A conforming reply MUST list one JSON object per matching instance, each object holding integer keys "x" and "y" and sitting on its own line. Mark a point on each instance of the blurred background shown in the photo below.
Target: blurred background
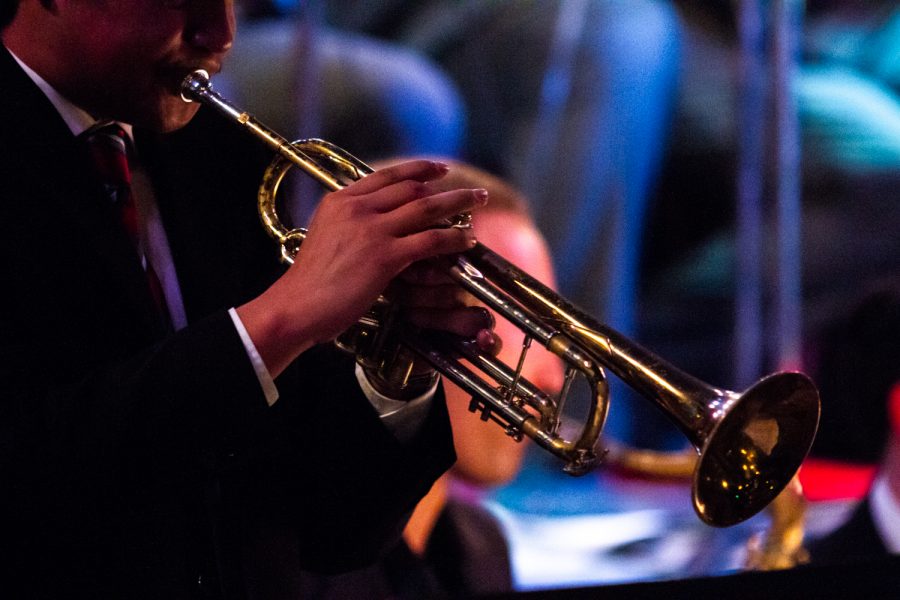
{"x": 719, "y": 180}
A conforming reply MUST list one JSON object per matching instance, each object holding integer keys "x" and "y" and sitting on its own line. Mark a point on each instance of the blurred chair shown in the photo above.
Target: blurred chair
{"x": 372, "y": 97}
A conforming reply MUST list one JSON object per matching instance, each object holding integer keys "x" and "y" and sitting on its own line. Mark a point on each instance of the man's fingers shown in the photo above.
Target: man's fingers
{"x": 489, "y": 341}
{"x": 395, "y": 195}
{"x": 415, "y": 170}
{"x": 432, "y": 210}
{"x": 465, "y": 321}
{"x": 426, "y": 272}
{"x": 434, "y": 242}
{"x": 448, "y": 295}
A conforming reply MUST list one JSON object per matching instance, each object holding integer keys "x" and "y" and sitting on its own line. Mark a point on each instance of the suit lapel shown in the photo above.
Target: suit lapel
{"x": 196, "y": 254}
{"x": 217, "y": 244}
{"x": 54, "y": 170}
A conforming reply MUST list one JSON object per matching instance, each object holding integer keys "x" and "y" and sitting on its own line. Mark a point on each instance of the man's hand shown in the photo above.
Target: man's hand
{"x": 432, "y": 300}
{"x": 426, "y": 297}
{"x": 359, "y": 240}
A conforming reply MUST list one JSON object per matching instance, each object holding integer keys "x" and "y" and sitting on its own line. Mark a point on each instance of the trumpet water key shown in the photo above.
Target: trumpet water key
{"x": 749, "y": 444}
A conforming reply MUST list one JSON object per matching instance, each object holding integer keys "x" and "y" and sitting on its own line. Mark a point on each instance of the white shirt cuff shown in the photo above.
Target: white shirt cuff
{"x": 402, "y": 418}
{"x": 262, "y": 372}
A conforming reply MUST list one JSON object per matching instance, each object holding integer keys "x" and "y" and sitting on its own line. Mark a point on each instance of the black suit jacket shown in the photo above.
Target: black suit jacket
{"x": 135, "y": 463}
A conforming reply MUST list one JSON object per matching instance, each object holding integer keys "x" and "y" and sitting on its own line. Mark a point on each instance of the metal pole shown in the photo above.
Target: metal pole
{"x": 748, "y": 323}
{"x": 309, "y": 19}
{"x": 787, "y": 16}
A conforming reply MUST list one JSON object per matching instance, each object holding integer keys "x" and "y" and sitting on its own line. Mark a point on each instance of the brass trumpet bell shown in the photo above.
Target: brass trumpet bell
{"x": 752, "y": 452}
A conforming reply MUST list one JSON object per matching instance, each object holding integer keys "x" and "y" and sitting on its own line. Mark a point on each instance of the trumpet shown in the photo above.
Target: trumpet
{"x": 749, "y": 444}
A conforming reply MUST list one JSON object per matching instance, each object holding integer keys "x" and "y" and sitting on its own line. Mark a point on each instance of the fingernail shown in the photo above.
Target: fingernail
{"x": 486, "y": 339}
{"x": 442, "y": 167}
{"x": 489, "y": 320}
{"x": 481, "y": 196}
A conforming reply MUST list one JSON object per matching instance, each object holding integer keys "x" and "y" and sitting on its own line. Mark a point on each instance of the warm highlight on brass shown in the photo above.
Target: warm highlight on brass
{"x": 750, "y": 444}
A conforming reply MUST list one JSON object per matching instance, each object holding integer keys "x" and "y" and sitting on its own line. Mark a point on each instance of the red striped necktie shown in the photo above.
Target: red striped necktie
{"x": 110, "y": 148}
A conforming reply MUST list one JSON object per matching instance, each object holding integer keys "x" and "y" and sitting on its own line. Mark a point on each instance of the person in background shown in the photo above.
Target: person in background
{"x": 859, "y": 381}
{"x": 459, "y": 540}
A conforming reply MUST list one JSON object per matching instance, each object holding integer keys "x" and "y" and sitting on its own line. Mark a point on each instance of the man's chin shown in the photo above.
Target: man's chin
{"x": 163, "y": 114}
{"x": 174, "y": 114}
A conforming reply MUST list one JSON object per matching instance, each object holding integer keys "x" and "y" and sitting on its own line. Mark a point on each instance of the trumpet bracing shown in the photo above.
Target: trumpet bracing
{"x": 749, "y": 444}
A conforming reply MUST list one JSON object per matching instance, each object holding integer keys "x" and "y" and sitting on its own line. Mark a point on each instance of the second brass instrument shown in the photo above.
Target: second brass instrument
{"x": 749, "y": 444}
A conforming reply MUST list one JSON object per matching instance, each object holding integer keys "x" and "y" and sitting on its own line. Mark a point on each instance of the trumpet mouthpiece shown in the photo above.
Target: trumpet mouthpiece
{"x": 194, "y": 85}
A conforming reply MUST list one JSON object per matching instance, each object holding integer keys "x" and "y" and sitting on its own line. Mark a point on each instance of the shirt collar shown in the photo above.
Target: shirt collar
{"x": 77, "y": 119}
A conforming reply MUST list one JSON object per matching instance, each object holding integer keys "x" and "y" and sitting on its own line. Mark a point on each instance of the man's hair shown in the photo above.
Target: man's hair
{"x": 7, "y": 12}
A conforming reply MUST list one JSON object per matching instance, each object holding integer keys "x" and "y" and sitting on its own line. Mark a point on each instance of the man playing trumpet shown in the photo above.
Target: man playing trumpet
{"x": 170, "y": 416}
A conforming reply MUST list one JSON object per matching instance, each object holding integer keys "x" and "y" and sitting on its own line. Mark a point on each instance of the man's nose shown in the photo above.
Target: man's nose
{"x": 211, "y": 25}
